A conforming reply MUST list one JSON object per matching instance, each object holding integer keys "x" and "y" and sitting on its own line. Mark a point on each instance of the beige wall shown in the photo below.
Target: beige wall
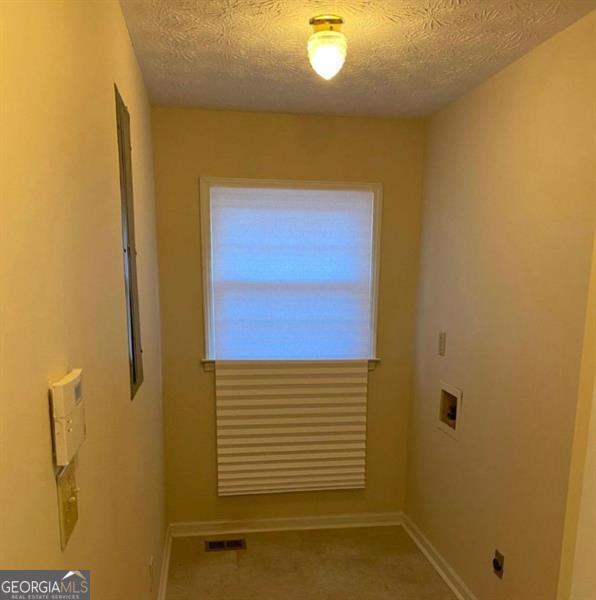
{"x": 507, "y": 242}
{"x": 584, "y": 576}
{"x": 189, "y": 143}
{"x": 62, "y": 294}
{"x": 578, "y": 577}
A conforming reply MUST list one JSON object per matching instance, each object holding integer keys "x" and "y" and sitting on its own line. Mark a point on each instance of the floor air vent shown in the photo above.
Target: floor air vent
{"x": 219, "y": 545}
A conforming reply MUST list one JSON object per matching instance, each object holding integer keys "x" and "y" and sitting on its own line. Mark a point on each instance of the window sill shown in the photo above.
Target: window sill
{"x": 209, "y": 364}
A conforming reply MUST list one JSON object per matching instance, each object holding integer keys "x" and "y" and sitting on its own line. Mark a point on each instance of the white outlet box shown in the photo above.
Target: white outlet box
{"x": 450, "y": 408}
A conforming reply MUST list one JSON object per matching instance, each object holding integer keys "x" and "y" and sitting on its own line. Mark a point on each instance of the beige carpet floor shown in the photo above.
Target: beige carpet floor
{"x": 373, "y": 563}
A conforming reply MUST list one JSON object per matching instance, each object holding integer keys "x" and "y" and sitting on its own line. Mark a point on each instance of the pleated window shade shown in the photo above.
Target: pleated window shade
{"x": 290, "y": 279}
{"x": 289, "y": 426}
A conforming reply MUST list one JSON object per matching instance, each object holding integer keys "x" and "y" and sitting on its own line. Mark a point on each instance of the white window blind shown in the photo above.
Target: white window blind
{"x": 290, "y": 272}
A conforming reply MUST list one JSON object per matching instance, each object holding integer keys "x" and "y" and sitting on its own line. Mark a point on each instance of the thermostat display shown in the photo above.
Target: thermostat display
{"x": 68, "y": 411}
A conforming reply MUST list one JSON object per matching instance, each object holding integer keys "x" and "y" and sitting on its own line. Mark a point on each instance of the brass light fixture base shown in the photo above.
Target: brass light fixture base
{"x": 326, "y": 23}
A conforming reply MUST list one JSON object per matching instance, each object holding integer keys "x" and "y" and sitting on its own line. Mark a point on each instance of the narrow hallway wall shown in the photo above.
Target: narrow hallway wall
{"x": 509, "y": 214}
{"x": 62, "y": 295}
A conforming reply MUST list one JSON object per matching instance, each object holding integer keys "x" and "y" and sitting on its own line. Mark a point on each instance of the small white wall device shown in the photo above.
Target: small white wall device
{"x": 68, "y": 412}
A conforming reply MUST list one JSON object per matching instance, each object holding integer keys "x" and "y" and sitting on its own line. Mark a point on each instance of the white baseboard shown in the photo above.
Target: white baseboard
{"x": 285, "y": 524}
{"x": 165, "y": 566}
{"x": 441, "y": 566}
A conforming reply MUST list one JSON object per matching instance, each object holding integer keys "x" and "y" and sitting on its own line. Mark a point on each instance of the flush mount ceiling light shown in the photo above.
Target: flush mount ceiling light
{"x": 327, "y": 46}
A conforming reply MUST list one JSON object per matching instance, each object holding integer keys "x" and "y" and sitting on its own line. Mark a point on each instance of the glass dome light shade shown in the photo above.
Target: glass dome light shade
{"x": 327, "y": 52}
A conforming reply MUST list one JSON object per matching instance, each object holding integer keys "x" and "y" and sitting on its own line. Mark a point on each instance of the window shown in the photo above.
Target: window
{"x": 290, "y": 269}
{"x": 135, "y": 358}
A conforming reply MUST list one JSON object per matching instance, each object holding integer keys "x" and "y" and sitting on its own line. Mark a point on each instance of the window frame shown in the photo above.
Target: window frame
{"x": 205, "y": 185}
{"x": 129, "y": 249}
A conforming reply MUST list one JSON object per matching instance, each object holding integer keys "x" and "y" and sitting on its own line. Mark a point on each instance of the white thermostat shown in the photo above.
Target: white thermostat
{"x": 68, "y": 412}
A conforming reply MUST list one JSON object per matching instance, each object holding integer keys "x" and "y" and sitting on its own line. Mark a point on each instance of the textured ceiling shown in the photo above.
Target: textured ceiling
{"x": 405, "y": 57}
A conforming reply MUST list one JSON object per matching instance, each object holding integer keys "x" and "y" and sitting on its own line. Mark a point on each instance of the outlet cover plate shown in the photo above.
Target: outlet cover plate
{"x": 68, "y": 502}
{"x": 499, "y": 564}
{"x": 442, "y": 343}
